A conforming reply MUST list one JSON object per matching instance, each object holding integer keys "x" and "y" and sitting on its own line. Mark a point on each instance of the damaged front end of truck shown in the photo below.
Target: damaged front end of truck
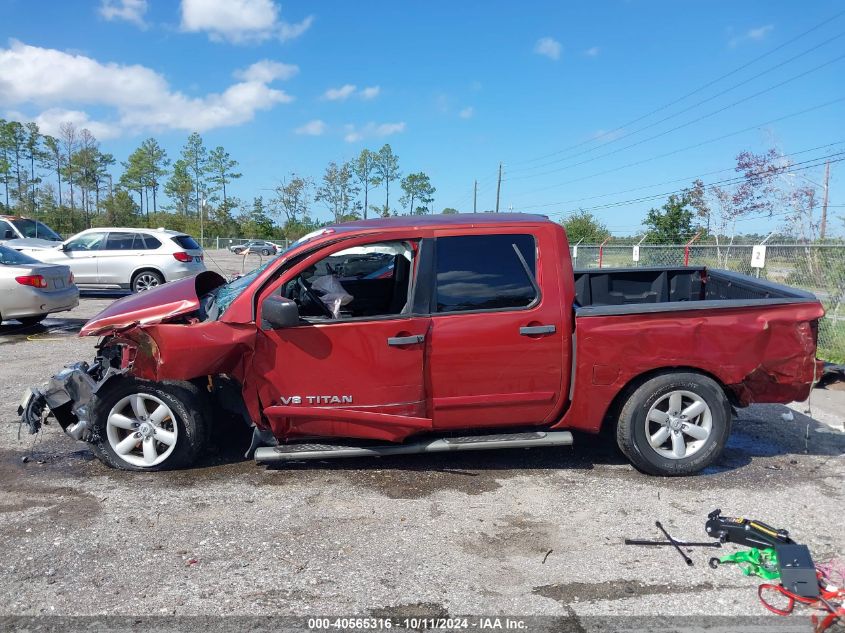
{"x": 133, "y": 332}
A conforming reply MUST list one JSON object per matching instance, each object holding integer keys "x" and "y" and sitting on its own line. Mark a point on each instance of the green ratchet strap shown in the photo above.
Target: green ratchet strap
{"x": 757, "y": 562}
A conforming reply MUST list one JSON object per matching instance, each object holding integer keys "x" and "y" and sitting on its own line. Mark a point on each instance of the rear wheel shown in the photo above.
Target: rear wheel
{"x": 674, "y": 424}
{"x": 145, "y": 280}
{"x": 33, "y": 320}
{"x": 141, "y": 425}
{"x": 265, "y": 252}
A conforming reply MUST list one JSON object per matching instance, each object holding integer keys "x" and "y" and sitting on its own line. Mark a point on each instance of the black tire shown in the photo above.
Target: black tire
{"x": 265, "y": 252}
{"x": 631, "y": 430}
{"x": 33, "y": 320}
{"x": 184, "y": 399}
{"x": 145, "y": 279}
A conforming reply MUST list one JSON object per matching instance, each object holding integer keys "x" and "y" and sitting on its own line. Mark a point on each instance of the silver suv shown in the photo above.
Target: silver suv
{"x": 137, "y": 259}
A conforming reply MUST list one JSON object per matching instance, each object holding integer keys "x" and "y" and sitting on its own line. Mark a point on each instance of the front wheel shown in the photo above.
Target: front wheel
{"x": 140, "y": 425}
{"x": 674, "y": 424}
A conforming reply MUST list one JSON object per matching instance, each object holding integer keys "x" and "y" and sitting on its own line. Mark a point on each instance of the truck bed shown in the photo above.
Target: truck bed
{"x": 639, "y": 290}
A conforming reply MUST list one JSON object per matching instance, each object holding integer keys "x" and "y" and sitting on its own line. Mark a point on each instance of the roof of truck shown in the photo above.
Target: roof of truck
{"x": 447, "y": 220}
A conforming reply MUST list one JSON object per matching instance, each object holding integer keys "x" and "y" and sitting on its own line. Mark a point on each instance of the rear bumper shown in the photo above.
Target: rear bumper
{"x": 172, "y": 273}
{"x": 27, "y": 302}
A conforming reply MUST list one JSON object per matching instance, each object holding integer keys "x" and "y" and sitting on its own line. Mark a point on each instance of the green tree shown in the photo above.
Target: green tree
{"x": 386, "y": 170}
{"x": 134, "y": 176}
{"x": 256, "y": 221}
{"x": 221, "y": 169}
{"x": 6, "y": 146}
{"x": 180, "y": 187}
{"x": 195, "y": 156}
{"x": 337, "y": 191}
{"x": 364, "y": 168}
{"x": 34, "y": 153}
{"x": 155, "y": 164}
{"x": 583, "y": 226}
{"x": 673, "y": 222}
{"x": 68, "y": 136}
{"x": 119, "y": 210}
{"x": 293, "y": 198}
{"x": 53, "y": 160}
{"x": 449, "y": 211}
{"x": 417, "y": 188}
{"x": 16, "y": 140}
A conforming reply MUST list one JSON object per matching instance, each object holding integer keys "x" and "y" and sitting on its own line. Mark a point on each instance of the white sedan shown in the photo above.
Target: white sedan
{"x": 30, "y": 290}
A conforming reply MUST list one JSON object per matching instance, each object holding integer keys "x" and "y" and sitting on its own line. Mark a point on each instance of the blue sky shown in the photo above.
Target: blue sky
{"x": 551, "y": 89}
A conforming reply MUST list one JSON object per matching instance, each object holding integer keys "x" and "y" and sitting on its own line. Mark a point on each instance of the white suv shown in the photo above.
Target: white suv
{"x": 137, "y": 259}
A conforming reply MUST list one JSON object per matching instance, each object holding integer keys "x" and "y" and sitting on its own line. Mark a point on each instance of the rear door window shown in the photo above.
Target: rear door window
{"x": 120, "y": 242}
{"x": 485, "y": 272}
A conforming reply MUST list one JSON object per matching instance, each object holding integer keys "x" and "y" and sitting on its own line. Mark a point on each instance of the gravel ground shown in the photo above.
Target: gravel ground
{"x": 528, "y": 532}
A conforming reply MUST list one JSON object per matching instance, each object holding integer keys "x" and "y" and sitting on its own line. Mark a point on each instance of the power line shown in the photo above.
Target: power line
{"x": 818, "y": 162}
{"x": 689, "y": 94}
{"x": 684, "y": 179}
{"x": 688, "y": 147}
{"x": 688, "y": 108}
{"x": 688, "y": 123}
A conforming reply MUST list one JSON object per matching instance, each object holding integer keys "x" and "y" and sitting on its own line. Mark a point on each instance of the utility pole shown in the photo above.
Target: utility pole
{"x": 475, "y": 196}
{"x": 498, "y": 187}
{"x": 823, "y": 225}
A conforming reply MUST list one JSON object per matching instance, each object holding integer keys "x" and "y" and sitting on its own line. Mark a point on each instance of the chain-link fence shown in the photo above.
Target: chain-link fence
{"x": 819, "y": 268}
{"x": 225, "y": 243}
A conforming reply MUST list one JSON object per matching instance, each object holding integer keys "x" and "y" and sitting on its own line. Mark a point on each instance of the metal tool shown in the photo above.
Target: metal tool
{"x": 636, "y": 541}
{"x": 742, "y": 531}
{"x": 686, "y": 558}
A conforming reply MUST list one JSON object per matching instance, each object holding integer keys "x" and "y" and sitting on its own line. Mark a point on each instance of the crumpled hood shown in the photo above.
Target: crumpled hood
{"x": 154, "y": 306}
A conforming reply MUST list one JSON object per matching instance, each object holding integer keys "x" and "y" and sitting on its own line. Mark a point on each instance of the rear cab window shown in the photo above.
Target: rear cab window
{"x": 485, "y": 273}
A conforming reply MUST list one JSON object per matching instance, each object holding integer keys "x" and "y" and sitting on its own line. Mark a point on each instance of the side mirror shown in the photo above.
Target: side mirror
{"x": 8, "y": 235}
{"x": 278, "y": 312}
{"x": 63, "y": 247}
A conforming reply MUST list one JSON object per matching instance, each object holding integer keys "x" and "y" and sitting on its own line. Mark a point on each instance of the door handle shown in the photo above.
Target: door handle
{"x": 395, "y": 341}
{"x": 531, "y": 330}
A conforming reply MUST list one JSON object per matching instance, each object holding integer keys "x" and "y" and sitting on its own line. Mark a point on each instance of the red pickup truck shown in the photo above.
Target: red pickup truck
{"x": 427, "y": 334}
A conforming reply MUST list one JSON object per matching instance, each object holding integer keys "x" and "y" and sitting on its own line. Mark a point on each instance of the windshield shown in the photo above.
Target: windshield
{"x": 215, "y": 303}
{"x": 36, "y": 229}
{"x": 11, "y": 257}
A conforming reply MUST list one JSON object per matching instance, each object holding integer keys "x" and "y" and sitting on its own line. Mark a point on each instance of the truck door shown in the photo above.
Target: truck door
{"x": 498, "y": 346}
{"x": 354, "y": 367}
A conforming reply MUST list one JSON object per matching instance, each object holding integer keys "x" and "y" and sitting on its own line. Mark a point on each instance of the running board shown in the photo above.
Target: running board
{"x": 303, "y": 451}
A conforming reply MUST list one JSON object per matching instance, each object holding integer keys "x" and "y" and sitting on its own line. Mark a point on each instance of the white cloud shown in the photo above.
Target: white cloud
{"x": 755, "y": 34}
{"x": 240, "y": 21}
{"x": 312, "y": 128}
{"x": 372, "y": 130}
{"x": 128, "y": 10}
{"x": 370, "y": 92}
{"x": 467, "y": 113}
{"x": 339, "y": 94}
{"x": 266, "y": 70}
{"x": 593, "y": 51}
{"x": 50, "y": 121}
{"x": 760, "y": 32}
{"x": 141, "y": 98}
{"x": 549, "y": 47}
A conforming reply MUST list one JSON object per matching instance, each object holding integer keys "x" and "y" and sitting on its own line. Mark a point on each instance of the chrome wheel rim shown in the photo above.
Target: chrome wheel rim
{"x": 145, "y": 281}
{"x": 678, "y": 424}
{"x": 142, "y": 430}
